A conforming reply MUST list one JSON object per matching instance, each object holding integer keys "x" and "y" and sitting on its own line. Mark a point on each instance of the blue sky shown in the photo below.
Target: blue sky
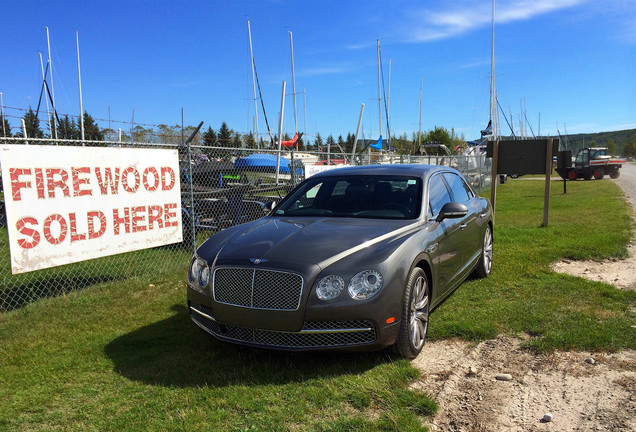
{"x": 572, "y": 61}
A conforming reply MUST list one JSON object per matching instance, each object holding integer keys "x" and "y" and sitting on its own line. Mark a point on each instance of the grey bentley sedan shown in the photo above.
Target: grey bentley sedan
{"x": 352, "y": 258}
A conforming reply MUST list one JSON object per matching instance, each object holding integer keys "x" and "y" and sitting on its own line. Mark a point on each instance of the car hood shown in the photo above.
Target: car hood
{"x": 307, "y": 240}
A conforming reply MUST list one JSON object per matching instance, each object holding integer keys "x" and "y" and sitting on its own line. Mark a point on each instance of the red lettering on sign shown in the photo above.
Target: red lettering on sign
{"x": 78, "y": 181}
{"x": 39, "y": 182}
{"x": 170, "y": 184}
{"x": 108, "y": 180}
{"x": 16, "y": 184}
{"x": 91, "y": 215}
{"x": 23, "y": 229}
{"x": 121, "y": 220}
{"x": 170, "y": 214}
{"x": 47, "y": 228}
{"x": 74, "y": 235}
{"x": 124, "y": 179}
{"x": 138, "y": 218}
{"x": 155, "y": 174}
{"x": 155, "y": 214}
{"x": 51, "y": 183}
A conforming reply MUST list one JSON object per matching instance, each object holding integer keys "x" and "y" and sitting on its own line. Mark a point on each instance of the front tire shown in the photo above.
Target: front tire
{"x": 484, "y": 266}
{"x": 415, "y": 312}
{"x": 599, "y": 174}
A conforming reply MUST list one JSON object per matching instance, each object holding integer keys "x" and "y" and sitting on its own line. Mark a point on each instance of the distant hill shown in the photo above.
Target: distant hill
{"x": 597, "y": 139}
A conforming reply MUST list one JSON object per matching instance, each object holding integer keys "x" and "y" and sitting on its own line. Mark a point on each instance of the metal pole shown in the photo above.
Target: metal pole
{"x": 379, "y": 93}
{"x": 249, "y": 32}
{"x": 48, "y": 43}
{"x": 280, "y": 131}
{"x": 48, "y": 112}
{"x": 305, "y": 112}
{"x": 355, "y": 141}
{"x": 293, "y": 82}
{"x": 548, "y": 174}
{"x": 79, "y": 81}
{"x": 4, "y": 132}
{"x": 419, "y": 130}
{"x": 24, "y": 132}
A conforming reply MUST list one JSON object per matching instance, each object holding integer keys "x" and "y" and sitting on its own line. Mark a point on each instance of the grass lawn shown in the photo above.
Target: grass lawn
{"x": 123, "y": 355}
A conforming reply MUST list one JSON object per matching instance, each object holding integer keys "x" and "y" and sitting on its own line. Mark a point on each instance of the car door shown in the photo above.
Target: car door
{"x": 470, "y": 227}
{"x": 446, "y": 253}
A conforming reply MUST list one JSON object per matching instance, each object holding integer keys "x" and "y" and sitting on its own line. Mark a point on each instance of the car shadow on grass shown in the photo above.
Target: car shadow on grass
{"x": 175, "y": 352}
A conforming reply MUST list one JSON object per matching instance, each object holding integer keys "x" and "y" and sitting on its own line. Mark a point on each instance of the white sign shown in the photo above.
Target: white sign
{"x": 69, "y": 204}
{"x": 311, "y": 170}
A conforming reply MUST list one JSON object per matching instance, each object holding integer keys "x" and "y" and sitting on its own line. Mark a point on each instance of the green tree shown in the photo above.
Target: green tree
{"x": 318, "y": 141}
{"x": 92, "y": 132}
{"x": 612, "y": 148}
{"x": 225, "y": 136}
{"x": 250, "y": 142}
{"x": 209, "y": 137}
{"x": 32, "y": 124}
{"x": 5, "y": 130}
{"x": 236, "y": 140}
{"x": 66, "y": 128}
{"x": 440, "y": 135}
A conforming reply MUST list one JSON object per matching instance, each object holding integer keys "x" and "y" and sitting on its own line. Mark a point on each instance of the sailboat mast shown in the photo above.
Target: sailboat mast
{"x": 79, "y": 81}
{"x": 48, "y": 112}
{"x": 249, "y": 32}
{"x": 379, "y": 94}
{"x": 291, "y": 42}
{"x": 419, "y": 129}
{"x": 388, "y": 99}
{"x": 493, "y": 105}
{"x": 48, "y": 43}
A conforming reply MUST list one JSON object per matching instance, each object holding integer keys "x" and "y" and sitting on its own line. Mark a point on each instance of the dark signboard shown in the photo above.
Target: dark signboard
{"x": 522, "y": 156}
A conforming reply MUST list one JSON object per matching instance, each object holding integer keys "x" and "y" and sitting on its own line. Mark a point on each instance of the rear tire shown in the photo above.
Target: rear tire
{"x": 484, "y": 266}
{"x": 415, "y": 312}
{"x": 599, "y": 174}
{"x": 615, "y": 174}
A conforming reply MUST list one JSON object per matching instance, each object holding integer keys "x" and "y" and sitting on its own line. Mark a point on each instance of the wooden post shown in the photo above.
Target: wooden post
{"x": 493, "y": 177}
{"x": 548, "y": 174}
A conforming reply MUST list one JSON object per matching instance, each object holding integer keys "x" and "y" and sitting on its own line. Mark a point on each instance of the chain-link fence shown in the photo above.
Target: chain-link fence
{"x": 220, "y": 187}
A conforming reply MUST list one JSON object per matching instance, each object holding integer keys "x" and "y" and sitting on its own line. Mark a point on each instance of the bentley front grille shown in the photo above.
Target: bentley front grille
{"x": 315, "y": 334}
{"x": 256, "y": 288}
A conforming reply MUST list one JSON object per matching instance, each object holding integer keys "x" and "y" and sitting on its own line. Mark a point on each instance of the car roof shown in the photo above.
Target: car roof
{"x": 414, "y": 170}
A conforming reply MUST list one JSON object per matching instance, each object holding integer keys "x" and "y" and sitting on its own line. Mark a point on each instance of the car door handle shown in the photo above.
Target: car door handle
{"x": 482, "y": 215}
{"x": 462, "y": 226}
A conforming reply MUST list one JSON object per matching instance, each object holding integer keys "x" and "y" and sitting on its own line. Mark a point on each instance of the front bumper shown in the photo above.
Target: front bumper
{"x": 315, "y": 335}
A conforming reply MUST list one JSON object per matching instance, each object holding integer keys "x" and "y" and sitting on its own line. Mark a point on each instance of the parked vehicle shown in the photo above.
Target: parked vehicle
{"x": 592, "y": 163}
{"x": 352, "y": 258}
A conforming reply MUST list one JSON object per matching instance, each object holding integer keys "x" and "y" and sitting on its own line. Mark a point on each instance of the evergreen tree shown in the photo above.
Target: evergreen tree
{"x": 32, "y": 124}
{"x": 225, "y": 136}
{"x": 236, "y": 140}
{"x": 318, "y": 141}
{"x": 440, "y": 135}
{"x": 5, "y": 130}
{"x": 92, "y": 131}
{"x": 249, "y": 140}
{"x": 65, "y": 128}
{"x": 209, "y": 137}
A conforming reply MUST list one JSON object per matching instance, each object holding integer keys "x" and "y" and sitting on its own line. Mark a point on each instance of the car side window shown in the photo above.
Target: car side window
{"x": 437, "y": 195}
{"x": 460, "y": 190}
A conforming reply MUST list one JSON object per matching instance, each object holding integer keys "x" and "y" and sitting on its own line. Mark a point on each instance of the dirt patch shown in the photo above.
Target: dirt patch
{"x": 582, "y": 391}
{"x": 620, "y": 273}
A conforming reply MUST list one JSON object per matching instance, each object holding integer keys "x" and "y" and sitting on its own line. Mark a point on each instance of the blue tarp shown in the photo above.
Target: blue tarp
{"x": 262, "y": 162}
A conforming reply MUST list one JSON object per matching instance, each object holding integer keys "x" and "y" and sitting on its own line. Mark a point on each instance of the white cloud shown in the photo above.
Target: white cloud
{"x": 466, "y": 17}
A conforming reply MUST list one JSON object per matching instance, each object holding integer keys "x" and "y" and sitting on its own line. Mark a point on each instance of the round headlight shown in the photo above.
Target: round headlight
{"x": 330, "y": 287}
{"x": 204, "y": 276}
{"x": 365, "y": 284}
{"x": 193, "y": 274}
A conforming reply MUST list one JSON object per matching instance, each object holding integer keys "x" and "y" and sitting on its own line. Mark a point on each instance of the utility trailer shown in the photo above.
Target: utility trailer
{"x": 592, "y": 163}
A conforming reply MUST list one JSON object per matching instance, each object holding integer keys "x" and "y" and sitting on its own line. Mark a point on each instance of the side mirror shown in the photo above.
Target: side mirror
{"x": 269, "y": 206}
{"x": 452, "y": 211}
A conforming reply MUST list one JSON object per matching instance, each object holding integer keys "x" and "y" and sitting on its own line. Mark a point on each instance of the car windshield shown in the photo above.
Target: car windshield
{"x": 374, "y": 197}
